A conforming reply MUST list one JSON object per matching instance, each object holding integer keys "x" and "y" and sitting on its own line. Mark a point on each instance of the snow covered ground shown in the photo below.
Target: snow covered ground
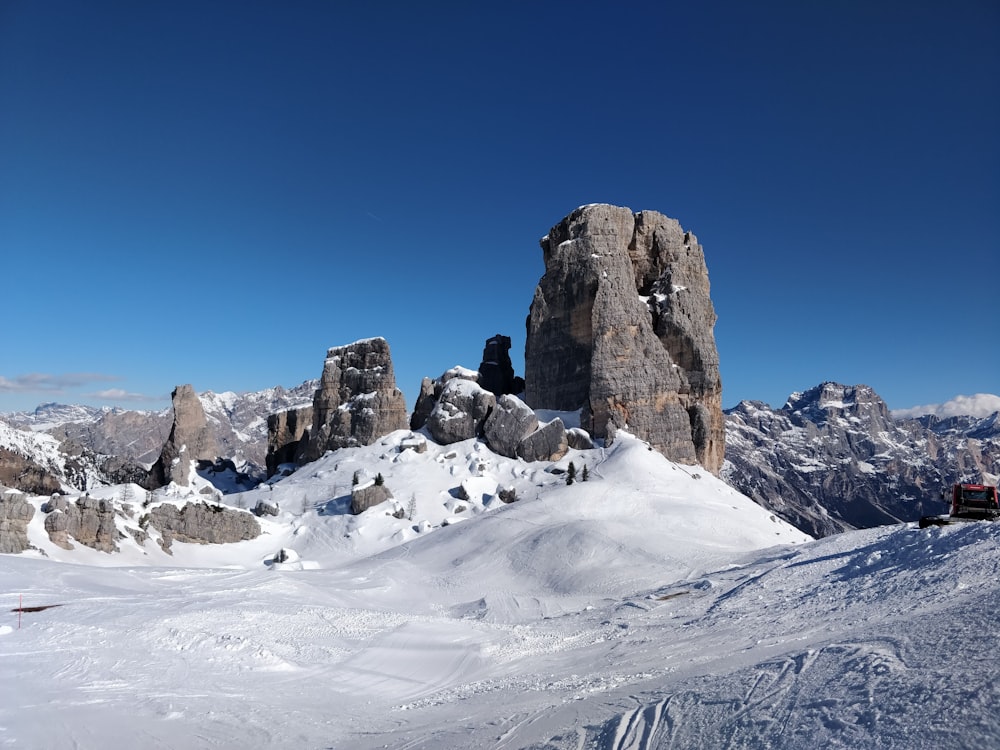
{"x": 651, "y": 607}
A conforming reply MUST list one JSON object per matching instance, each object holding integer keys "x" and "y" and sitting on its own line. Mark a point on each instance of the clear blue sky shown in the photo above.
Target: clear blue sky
{"x": 215, "y": 192}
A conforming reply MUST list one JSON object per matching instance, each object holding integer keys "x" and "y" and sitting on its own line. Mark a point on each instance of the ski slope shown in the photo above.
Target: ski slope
{"x": 649, "y": 608}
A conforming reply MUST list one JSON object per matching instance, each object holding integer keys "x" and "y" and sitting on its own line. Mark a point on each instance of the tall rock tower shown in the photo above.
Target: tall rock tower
{"x": 621, "y": 326}
{"x": 190, "y": 440}
{"x": 357, "y": 401}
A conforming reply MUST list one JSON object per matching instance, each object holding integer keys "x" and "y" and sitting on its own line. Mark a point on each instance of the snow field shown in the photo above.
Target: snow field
{"x": 647, "y": 608}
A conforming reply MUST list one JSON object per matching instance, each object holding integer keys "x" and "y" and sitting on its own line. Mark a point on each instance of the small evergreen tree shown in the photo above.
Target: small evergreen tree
{"x": 570, "y": 473}
{"x": 379, "y": 480}
{"x": 586, "y": 474}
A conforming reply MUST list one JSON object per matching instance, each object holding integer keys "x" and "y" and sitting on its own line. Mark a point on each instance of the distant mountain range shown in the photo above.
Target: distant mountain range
{"x": 90, "y": 435}
{"x": 833, "y": 458}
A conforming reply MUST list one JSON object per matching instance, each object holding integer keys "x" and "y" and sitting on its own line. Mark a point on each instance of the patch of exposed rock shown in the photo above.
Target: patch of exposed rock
{"x": 201, "y": 523}
{"x": 190, "y": 440}
{"x": 24, "y": 474}
{"x": 15, "y": 513}
{"x": 621, "y": 326}
{"x": 357, "y": 401}
{"x": 89, "y": 521}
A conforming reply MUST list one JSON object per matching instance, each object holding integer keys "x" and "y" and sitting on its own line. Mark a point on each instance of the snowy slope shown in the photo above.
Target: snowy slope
{"x": 646, "y": 608}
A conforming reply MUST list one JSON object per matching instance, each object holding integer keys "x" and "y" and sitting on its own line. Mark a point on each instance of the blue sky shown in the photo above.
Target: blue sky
{"x": 216, "y": 192}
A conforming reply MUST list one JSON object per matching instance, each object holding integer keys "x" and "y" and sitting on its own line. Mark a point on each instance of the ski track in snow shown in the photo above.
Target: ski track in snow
{"x": 646, "y": 614}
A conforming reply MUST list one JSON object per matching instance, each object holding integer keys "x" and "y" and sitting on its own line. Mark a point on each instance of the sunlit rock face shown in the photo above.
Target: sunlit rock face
{"x": 357, "y": 401}
{"x": 621, "y": 327}
{"x": 190, "y": 440}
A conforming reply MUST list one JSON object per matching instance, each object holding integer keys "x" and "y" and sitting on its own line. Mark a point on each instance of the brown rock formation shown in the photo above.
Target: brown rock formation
{"x": 190, "y": 440}
{"x": 357, "y": 401}
{"x": 621, "y": 327}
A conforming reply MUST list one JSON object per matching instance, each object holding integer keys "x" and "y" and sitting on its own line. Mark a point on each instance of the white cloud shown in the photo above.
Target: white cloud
{"x": 40, "y": 382}
{"x": 978, "y": 405}
{"x": 117, "y": 394}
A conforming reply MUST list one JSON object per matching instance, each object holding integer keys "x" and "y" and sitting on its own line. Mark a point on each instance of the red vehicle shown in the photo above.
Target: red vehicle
{"x": 969, "y": 502}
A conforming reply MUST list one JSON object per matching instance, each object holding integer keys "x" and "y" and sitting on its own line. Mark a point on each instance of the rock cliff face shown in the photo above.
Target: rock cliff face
{"x": 190, "y": 440}
{"x": 833, "y": 458}
{"x": 621, "y": 326}
{"x": 286, "y": 432}
{"x": 357, "y": 401}
{"x": 15, "y": 513}
{"x": 25, "y": 474}
{"x": 89, "y": 521}
{"x": 201, "y": 523}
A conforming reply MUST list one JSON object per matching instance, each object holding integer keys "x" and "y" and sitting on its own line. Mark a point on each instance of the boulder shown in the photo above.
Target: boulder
{"x": 430, "y": 393}
{"x": 547, "y": 443}
{"x": 190, "y": 440}
{"x": 460, "y": 412}
{"x": 621, "y": 326}
{"x": 15, "y": 513}
{"x": 579, "y": 439}
{"x": 264, "y": 508}
{"x": 357, "y": 401}
{"x": 57, "y": 527}
{"x": 508, "y": 424}
{"x": 91, "y": 522}
{"x": 201, "y": 523}
{"x": 368, "y": 496}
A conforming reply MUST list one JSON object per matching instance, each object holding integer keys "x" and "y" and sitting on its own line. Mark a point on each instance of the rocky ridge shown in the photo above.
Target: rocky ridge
{"x": 833, "y": 458}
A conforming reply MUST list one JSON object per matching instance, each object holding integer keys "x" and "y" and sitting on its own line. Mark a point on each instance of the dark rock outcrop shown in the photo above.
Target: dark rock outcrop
{"x": 426, "y": 399}
{"x": 287, "y": 431}
{"x": 264, "y": 508}
{"x": 357, "y": 401}
{"x": 15, "y": 513}
{"x": 22, "y": 473}
{"x": 201, "y": 523}
{"x": 496, "y": 372}
{"x": 190, "y": 440}
{"x": 621, "y": 326}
